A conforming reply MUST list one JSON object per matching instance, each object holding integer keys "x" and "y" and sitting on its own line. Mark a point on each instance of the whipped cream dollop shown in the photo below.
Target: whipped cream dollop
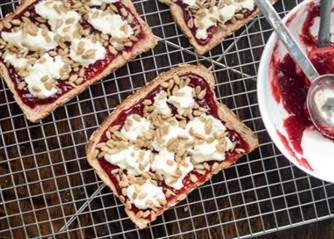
{"x": 132, "y": 159}
{"x": 138, "y": 127}
{"x": 148, "y": 192}
{"x": 160, "y": 103}
{"x": 183, "y": 99}
{"x": 87, "y": 52}
{"x": 42, "y": 75}
{"x": 208, "y": 149}
{"x": 63, "y": 24}
{"x": 172, "y": 172}
{"x": 110, "y": 24}
{"x": 30, "y": 42}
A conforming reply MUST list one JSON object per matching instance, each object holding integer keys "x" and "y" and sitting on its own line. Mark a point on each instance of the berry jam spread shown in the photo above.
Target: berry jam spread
{"x": 90, "y": 72}
{"x": 290, "y": 85}
{"x": 187, "y": 14}
{"x": 209, "y": 103}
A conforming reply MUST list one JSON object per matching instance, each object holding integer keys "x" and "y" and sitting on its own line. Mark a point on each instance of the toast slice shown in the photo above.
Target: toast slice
{"x": 52, "y": 50}
{"x": 207, "y": 23}
{"x": 165, "y": 140}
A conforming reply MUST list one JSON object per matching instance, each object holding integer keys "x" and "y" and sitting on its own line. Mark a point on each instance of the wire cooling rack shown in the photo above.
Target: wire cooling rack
{"x": 48, "y": 190}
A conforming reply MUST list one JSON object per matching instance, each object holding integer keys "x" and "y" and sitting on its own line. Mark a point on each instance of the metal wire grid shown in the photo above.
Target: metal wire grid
{"x": 47, "y": 188}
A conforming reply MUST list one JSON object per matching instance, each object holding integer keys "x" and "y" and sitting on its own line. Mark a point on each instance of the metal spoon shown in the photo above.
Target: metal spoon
{"x": 319, "y": 100}
{"x": 324, "y": 35}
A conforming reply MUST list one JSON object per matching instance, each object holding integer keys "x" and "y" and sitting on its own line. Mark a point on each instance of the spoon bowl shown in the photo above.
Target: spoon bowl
{"x": 320, "y": 104}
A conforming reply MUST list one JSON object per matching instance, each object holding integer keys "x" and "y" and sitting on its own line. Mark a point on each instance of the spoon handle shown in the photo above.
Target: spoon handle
{"x": 324, "y": 36}
{"x": 288, "y": 40}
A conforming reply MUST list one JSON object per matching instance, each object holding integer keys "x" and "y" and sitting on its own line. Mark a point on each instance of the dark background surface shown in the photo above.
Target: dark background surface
{"x": 318, "y": 230}
{"x": 48, "y": 189}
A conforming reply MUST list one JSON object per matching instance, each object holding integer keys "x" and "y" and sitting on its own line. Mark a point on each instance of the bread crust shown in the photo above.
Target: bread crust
{"x": 224, "y": 113}
{"x": 41, "y": 111}
{"x": 218, "y": 37}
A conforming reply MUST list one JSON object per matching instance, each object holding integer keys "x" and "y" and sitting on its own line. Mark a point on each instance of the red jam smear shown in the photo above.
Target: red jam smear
{"x": 187, "y": 14}
{"x": 208, "y": 102}
{"x": 306, "y": 37}
{"x": 62, "y": 86}
{"x": 302, "y": 161}
{"x": 290, "y": 85}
